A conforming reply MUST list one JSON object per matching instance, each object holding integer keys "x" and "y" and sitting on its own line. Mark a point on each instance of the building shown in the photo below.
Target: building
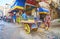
{"x": 1, "y": 10}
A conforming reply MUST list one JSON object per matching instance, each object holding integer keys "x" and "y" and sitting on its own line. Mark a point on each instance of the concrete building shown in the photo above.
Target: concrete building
{"x": 55, "y": 10}
{"x": 5, "y": 7}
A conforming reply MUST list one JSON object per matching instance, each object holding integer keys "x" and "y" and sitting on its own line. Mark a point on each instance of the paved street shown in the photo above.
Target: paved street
{"x": 15, "y": 31}
{"x": 15, "y": 14}
{"x": 55, "y": 26}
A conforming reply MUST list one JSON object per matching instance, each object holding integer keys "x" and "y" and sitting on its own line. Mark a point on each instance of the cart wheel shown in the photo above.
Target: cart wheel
{"x": 27, "y": 28}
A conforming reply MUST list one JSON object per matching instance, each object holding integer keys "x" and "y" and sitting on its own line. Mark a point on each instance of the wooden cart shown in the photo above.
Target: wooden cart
{"x": 31, "y": 25}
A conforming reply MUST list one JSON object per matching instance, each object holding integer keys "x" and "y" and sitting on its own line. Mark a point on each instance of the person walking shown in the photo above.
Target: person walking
{"x": 14, "y": 18}
{"x": 47, "y": 21}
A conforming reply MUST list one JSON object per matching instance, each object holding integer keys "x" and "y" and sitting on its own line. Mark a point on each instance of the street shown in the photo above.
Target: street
{"x": 15, "y": 31}
{"x": 29, "y": 19}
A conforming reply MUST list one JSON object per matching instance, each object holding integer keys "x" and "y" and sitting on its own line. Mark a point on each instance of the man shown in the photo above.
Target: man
{"x": 47, "y": 21}
{"x": 24, "y": 16}
{"x": 14, "y": 18}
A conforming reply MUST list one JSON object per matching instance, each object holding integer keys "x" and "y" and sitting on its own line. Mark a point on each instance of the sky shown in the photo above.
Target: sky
{"x": 4, "y": 2}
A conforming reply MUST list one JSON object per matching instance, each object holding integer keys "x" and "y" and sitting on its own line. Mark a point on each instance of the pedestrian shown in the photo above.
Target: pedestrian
{"x": 14, "y": 18}
{"x": 47, "y": 21}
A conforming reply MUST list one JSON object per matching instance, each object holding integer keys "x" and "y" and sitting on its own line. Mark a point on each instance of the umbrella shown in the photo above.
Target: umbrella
{"x": 19, "y": 4}
{"x": 43, "y": 10}
{"x": 43, "y": 4}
